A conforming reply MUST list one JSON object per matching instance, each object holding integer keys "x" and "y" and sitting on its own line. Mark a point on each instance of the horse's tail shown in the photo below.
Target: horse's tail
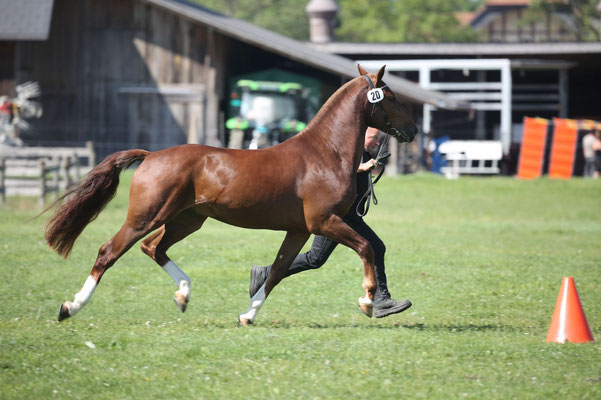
{"x": 81, "y": 204}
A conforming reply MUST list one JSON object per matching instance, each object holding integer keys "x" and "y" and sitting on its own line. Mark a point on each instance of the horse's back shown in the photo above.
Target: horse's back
{"x": 248, "y": 188}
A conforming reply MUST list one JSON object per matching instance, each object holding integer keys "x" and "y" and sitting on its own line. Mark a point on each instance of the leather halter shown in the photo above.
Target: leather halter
{"x": 389, "y": 127}
{"x": 370, "y": 193}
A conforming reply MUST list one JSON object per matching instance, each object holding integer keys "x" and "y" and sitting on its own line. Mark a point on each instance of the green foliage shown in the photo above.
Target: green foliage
{"x": 402, "y": 21}
{"x": 286, "y": 17}
{"x": 584, "y": 16}
{"x": 481, "y": 259}
{"x": 359, "y": 20}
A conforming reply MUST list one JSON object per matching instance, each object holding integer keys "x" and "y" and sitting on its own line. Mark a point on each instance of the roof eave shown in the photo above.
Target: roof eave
{"x": 302, "y": 53}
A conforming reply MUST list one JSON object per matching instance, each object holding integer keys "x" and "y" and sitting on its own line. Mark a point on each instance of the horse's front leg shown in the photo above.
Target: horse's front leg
{"x": 336, "y": 229}
{"x": 292, "y": 245}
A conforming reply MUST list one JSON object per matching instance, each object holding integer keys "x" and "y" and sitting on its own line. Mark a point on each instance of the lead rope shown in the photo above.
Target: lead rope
{"x": 380, "y": 156}
{"x": 370, "y": 193}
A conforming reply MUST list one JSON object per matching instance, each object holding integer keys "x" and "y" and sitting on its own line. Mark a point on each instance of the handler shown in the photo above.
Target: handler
{"x": 322, "y": 247}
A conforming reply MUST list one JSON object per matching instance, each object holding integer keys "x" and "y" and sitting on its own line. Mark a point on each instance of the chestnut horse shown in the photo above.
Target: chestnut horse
{"x": 302, "y": 186}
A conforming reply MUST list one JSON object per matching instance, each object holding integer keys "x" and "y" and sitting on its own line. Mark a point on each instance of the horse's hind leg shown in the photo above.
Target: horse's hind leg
{"x": 156, "y": 246}
{"x": 107, "y": 255}
{"x": 292, "y": 245}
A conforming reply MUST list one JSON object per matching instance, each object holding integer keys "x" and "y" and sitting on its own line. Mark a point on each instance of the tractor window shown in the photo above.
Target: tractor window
{"x": 267, "y": 106}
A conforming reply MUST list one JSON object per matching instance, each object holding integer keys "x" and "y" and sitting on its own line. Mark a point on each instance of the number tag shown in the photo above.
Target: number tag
{"x": 375, "y": 95}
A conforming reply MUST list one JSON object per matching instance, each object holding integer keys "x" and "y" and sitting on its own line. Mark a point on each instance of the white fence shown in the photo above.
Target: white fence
{"x": 39, "y": 171}
{"x": 471, "y": 157}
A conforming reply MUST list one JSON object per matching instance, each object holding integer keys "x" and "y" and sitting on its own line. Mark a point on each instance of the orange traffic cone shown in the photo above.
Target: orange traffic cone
{"x": 569, "y": 322}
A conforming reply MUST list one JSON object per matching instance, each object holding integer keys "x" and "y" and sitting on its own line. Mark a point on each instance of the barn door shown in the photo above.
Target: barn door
{"x": 164, "y": 115}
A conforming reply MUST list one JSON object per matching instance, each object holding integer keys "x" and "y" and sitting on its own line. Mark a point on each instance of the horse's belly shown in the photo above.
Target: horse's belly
{"x": 273, "y": 218}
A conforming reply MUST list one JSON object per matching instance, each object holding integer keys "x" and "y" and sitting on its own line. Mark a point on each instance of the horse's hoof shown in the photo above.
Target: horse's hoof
{"x": 181, "y": 301}
{"x": 244, "y": 321}
{"x": 366, "y": 306}
{"x": 367, "y": 309}
{"x": 63, "y": 313}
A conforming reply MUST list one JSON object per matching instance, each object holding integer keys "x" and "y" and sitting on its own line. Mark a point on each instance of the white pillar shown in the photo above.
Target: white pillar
{"x": 481, "y": 114}
{"x": 424, "y": 81}
{"x": 506, "y": 106}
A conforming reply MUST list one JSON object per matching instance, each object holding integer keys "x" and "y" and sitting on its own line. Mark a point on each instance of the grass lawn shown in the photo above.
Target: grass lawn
{"x": 482, "y": 260}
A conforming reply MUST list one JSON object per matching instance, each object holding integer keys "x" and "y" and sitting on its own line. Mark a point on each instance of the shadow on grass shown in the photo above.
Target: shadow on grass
{"x": 460, "y": 328}
{"x": 395, "y": 326}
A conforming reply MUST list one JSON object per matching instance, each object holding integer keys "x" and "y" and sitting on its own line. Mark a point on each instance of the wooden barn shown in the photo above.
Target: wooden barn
{"x": 148, "y": 73}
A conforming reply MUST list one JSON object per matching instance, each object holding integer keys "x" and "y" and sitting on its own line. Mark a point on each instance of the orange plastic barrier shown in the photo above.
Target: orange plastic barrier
{"x": 563, "y": 152}
{"x": 589, "y": 124}
{"x": 532, "y": 152}
{"x": 569, "y": 321}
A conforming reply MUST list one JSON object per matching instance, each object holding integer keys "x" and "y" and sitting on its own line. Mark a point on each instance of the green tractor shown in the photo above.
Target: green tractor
{"x": 263, "y": 113}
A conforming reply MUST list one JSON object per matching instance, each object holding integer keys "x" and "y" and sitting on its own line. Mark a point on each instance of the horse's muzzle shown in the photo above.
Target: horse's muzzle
{"x": 405, "y": 134}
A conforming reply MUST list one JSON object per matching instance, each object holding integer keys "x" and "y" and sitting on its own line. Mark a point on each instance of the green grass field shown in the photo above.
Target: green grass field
{"x": 481, "y": 259}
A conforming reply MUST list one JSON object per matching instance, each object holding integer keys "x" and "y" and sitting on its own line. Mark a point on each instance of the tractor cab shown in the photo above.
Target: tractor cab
{"x": 265, "y": 113}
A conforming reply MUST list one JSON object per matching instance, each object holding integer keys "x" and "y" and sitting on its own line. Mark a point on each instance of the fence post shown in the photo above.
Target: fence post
{"x": 2, "y": 183}
{"x": 64, "y": 171}
{"x": 75, "y": 163}
{"x": 92, "y": 157}
{"x": 42, "y": 198}
{"x": 55, "y": 176}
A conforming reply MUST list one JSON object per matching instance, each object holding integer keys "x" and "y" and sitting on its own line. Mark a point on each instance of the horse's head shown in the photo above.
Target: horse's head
{"x": 384, "y": 111}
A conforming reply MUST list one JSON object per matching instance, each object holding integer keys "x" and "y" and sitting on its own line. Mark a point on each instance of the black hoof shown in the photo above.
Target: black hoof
{"x": 63, "y": 313}
{"x": 241, "y": 323}
{"x": 182, "y": 307}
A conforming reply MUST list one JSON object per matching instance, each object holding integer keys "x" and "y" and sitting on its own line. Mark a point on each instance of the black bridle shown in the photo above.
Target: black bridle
{"x": 370, "y": 193}
{"x": 389, "y": 129}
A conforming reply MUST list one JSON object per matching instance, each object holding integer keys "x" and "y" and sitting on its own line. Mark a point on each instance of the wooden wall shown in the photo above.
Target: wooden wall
{"x": 125, "y": 74}
{"x": 7, "y": 74}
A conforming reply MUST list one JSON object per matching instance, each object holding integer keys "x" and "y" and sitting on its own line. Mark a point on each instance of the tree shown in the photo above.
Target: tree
{"x": 286, "y": 17}
{"x": 402, "y": 21}
{"x": 359, "y": 20}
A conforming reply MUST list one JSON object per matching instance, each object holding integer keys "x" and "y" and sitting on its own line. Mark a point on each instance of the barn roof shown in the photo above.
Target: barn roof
{"x": 299, "y": 51}
{"x": 25, "y": 19}
{"x": 459, "y": 49}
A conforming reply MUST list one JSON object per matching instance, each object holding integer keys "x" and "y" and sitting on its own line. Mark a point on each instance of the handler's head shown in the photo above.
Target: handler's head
{"x": 373, "y": 138}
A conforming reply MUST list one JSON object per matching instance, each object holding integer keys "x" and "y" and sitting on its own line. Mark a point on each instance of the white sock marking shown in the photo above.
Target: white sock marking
{"x": 255, "y": 304}
{"x": 365, "y": 300}
{"x": 184, "y": 288}
{"x": 83, "y": 296}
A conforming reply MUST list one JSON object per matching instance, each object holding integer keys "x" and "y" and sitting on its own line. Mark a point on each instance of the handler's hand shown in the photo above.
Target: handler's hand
{"x": 367, "y": 166}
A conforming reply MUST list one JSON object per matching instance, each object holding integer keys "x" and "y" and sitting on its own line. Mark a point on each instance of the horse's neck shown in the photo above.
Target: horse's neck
{"x": 339, "y": 126}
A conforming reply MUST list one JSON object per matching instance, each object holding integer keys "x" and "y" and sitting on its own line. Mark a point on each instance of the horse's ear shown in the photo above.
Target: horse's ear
{"x": 381, "y": 73}
{"x": 361, "y": 70}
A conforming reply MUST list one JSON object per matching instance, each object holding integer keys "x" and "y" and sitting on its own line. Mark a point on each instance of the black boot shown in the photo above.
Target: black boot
{"x": 386, "y": 306}
{"x": 258, "y": 276}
